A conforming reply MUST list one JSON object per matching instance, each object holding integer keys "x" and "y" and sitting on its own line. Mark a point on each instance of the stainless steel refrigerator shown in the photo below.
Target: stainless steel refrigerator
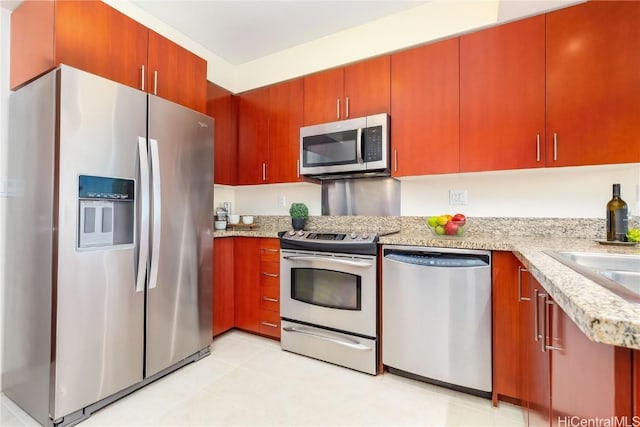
{"x": 109, "y": 243}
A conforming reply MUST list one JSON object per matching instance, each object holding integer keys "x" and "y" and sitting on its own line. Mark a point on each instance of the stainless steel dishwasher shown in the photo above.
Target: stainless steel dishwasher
{"x": 436, "y": 316}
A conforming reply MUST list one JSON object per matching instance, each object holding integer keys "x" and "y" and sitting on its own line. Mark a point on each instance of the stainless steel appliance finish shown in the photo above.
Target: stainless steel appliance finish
{"x": 329, "y": 303}
{"x": 369, "y": 197}
{"x": 74, "y": 314}
{"x": 436, "y": 315}
{"x": 354, "y": 147}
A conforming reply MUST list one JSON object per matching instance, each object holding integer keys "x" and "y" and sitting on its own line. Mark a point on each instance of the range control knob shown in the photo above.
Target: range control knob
{"x": 365, "y": 236}
{"x": 300, "y": 233}
{"x": 292, "y": 233}
{"x": 353, "y": 235}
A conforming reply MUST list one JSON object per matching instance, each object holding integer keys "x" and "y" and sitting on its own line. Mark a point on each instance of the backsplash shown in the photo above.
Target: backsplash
{"x": 579, "y": 228}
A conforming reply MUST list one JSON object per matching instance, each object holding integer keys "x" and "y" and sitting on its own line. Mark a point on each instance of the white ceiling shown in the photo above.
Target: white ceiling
{"x": 240, "y": 31}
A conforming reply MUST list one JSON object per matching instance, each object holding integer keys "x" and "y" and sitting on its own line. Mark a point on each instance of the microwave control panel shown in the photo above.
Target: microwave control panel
{"x": 373, "y": 144}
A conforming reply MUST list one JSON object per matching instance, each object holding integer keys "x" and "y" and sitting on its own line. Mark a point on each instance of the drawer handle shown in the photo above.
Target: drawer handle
{"x": 271, "y": 325}
{"x": 269, "y": 250}
{"x": 269, "y": 299}
{"x": 270, "y": 274}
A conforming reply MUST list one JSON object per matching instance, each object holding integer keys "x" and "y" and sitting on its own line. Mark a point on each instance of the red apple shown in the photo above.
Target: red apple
{"x": 451, "y": 229}
{"x": 459, "y": 219}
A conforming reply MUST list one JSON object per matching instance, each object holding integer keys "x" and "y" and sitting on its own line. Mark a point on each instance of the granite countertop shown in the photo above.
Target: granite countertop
{"x": 601, "y": 315}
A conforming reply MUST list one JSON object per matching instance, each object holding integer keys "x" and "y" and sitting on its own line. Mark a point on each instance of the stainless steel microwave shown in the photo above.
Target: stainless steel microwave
{"x": 352, "y": 146}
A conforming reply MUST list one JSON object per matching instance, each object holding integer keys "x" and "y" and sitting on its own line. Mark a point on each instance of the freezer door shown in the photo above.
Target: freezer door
{"x": 99, "y": 314}
{"x": 180, "y": 274}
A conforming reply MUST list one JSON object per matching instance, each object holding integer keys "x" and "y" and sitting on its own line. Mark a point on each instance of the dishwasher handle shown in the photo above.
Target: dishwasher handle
{"x": 437, "y": 259}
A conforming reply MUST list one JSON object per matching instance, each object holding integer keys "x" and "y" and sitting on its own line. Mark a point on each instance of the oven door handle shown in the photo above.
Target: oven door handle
{"x": 351, "y": 263}
{"x": 347, "y": 342}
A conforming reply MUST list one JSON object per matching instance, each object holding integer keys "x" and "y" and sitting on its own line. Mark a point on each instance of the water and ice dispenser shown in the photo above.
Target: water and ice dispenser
{"x": 106, "y": 211}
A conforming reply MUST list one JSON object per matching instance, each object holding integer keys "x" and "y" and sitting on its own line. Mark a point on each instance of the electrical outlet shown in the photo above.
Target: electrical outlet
{"x": 282, "y": 200}
{"x": 457, "y": 197}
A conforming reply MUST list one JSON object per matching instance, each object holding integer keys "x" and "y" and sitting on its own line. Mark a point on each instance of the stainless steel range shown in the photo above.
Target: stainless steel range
{"x": 329, "y": 297}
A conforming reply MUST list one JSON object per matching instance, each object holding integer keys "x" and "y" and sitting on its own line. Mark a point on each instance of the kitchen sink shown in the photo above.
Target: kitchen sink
{"x": 604, "y": 261}
{"x": 619, "y": 273}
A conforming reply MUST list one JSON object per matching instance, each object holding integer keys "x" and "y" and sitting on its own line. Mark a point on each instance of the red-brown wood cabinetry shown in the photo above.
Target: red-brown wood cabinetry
{"x": 257, "y": 290}
{"x": 253, "y": 136}
{"x": 247, "y": 281}
{"x": 269, "y": 121}
{"x": 425, "y": 109}
{"x": 502, "y": 93}
{"x": 567, "y": 378}
{"x": 592, "y": 84}
{"x": 285, "y": 120}
{"x": 223, "y": 285}
{"x": 506, "y": 328}
{"x": 588, "y": 379}
{"x": 356, "y": 90}
{"x": 222, "y": 106}
{"x": 176, "y": 74}
{"x": 94, "y": 37}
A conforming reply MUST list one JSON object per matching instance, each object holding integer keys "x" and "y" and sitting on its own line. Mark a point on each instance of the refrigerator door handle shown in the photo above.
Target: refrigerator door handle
{"x": 157, "y": 204}
{"x": 143, "y": 253}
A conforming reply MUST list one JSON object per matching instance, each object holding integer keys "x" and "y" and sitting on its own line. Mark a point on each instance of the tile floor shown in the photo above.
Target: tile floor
{"x": 247, "y": 380}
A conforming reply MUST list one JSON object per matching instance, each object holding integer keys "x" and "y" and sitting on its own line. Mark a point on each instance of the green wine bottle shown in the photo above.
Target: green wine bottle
{"x": 617, "y": 219}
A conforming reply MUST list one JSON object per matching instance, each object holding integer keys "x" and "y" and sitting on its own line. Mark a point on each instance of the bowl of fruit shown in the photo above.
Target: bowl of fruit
{"x": 447, "y": 225}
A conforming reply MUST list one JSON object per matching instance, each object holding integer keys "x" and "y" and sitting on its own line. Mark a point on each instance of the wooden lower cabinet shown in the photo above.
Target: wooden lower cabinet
{"x": 506, "y": 328}
{"x": 223, "y": 285}
{"x": 567, "y": 379}
{"x": 257, "y": 285}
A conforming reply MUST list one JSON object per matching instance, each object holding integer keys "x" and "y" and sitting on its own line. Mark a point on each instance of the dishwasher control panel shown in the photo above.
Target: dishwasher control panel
{"x": 438, "y": 259}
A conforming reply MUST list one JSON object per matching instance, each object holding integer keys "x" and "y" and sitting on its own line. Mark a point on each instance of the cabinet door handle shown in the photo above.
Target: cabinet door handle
{"x": 536, "y": 328}
{"x": 142, "y": 80}
{"x": 555, "y": 146}
{"x": 346, "y": 108}
{"x": 395, "y": 160}
{"x": 338, "y": 108}
{"x": 520, "y": 297}
{"x": 269, "y": 299}
{"x": 264, "y": 171}
{"x": 155, "y": 82}
{"x": 270, "y": 274}
{"x": 537, "y": 147}
{"x": 547, "y": 322}
{"x": 269, "y": 324}
{"x": 298, "y": 168}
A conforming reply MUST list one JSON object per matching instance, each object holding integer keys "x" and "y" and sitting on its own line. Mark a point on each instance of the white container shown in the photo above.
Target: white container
{"x": 234, "y": 219}
{"x": 220, "y": 225}
{"x": 247, "y": 219}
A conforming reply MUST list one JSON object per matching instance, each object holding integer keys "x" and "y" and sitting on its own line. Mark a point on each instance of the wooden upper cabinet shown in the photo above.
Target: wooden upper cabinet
{"x": 367, "y": 87}
{"x": 502, "y": 97}
{"x": 222, "y": 106}
{"x": 269, "y": 121}
{"x": 176, "y": 74}
{"x": 353, "y": 91}
{"x": 285, "y": 115}
{"x": 88, "y": 35}
{"x": 593, "y": 82}
{"x": 94, "y": 37}
{"x": 253, "y": 136}
{"x": 425, "y": 109}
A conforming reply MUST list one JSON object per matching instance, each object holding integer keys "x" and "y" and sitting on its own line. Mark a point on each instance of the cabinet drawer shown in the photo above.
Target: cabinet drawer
{"x": 270, "y": 249}
{"x": 270, "y": 297}
{"x": 269, "y": 323}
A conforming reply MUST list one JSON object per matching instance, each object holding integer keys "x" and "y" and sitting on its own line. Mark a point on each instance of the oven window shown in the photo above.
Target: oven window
{"x": 326, "y": 288}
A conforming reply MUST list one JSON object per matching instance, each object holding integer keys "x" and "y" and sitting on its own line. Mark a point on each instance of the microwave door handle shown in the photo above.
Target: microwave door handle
{"x": 359, "y": 143}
